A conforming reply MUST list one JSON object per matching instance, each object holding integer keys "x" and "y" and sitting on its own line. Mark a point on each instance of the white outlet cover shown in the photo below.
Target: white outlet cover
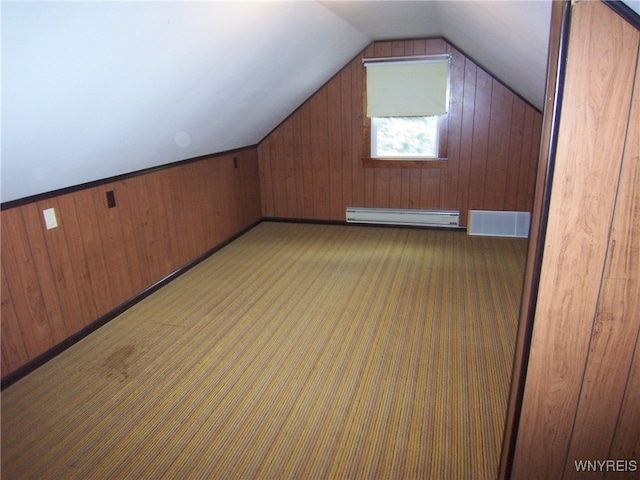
{"x": 50, "y": 219}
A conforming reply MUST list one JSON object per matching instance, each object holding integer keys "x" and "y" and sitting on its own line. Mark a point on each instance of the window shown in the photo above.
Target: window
{"x": 404, "y": 137}
{"x": 407, "y": 100}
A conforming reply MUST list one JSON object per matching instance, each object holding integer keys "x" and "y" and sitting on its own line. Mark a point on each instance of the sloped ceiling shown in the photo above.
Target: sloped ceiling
{"x": 508, "y": 38}
{"x": 92, "y": 90}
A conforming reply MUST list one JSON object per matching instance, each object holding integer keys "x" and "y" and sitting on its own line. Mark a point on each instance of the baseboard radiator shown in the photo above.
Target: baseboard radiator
{"x": 499, "y": 224}
{"x": 391, "y": 216}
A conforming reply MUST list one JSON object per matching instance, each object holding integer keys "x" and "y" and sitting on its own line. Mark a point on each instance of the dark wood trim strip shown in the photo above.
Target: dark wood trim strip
{"x": 555, "y": 84}
{"x": 57, "y": 349}
{"x": 84, "y": 186}
{"x": 624, "y": 11}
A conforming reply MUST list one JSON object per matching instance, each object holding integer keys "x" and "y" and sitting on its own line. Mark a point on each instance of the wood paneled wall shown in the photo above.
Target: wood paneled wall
{"x": 311, "y": 165}
{"x": 55, "y": 282}
{"x": 582, "y": 392}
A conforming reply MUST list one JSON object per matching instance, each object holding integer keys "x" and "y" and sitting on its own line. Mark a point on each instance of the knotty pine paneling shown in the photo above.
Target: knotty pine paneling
{"x": 55, "y": 282}
{"x": 311, "y": 165}
{"x": 582, "y": 371}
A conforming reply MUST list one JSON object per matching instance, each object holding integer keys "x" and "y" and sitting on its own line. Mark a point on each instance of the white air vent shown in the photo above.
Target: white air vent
{"x": 390, "y": 216}
{"x": 499, "y": 224}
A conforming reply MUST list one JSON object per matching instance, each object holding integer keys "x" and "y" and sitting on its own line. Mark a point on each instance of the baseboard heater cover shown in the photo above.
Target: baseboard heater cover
{"x": 499, "y": 224}
{"x": 392, "y": 216}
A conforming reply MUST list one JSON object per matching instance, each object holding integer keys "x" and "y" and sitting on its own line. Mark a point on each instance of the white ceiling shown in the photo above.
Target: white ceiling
{"x": 508, "y": 38}
{"x": 92, "y": 90}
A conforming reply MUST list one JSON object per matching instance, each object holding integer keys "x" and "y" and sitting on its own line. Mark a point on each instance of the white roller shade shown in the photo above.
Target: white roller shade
{"x": 407, "y": 88}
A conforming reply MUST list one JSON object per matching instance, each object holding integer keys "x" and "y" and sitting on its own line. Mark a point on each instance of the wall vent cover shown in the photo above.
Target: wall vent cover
{"x": 499, "y": 224}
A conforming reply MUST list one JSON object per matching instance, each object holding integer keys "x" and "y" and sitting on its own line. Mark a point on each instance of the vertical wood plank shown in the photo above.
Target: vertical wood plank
{"x": 137, "y": 201}
{"x": 199, "y": 201}
{"x": 183, "y": 216}
{"x": 346, "y": 144}
{"x": 295, "y": 167}
{"x": 290, "y": 172}
{"x": 319, "y": 155}
{"x": 617, "y": 321}
{"x": 515, "y": 161}
{"x": 497, "y": 162}
{"x": 527, "y": 149}
{"x": 78, "y": 256}
{"x": 480, "y": 140}
{"x": 357, "y": 112}
{"x": 395, "y": 187}
{"x": 334, "y": 134}
{"x": 279, "y": 183}
{"x": 531, "y": 165}
{"x": 112, "y": 240}
{"x": 248, "y": 190}
{"x": 599, "y": 74}
{"x": 466, "y": 138}
{"x": 171, "y": 216}
{"x": 296, "y": 121}
{"x": 307, "y": 159}
{"x": 225, "y": 200}
{"x": 73, "y": 314}
{"x": 626, "y": 441}
{"x": 130, "y": 221}
{"x": 14, "y": 352}
{"x": 34, "y": 224}
{"x": 24, "y": 285}
{"x": 151, "y": 239}
{"x": 264, "y": 165}
{"x": 430, "y": 188}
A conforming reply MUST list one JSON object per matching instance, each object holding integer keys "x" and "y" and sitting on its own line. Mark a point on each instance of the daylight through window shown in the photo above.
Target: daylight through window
{"x": 412, "y": 137}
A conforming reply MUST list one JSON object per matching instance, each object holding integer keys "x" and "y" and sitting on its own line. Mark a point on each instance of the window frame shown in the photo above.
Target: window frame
{"x": 369, "y": 161}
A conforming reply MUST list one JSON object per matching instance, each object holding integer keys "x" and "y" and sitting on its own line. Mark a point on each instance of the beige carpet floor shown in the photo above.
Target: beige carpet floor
{"x": 296, "y": 352}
